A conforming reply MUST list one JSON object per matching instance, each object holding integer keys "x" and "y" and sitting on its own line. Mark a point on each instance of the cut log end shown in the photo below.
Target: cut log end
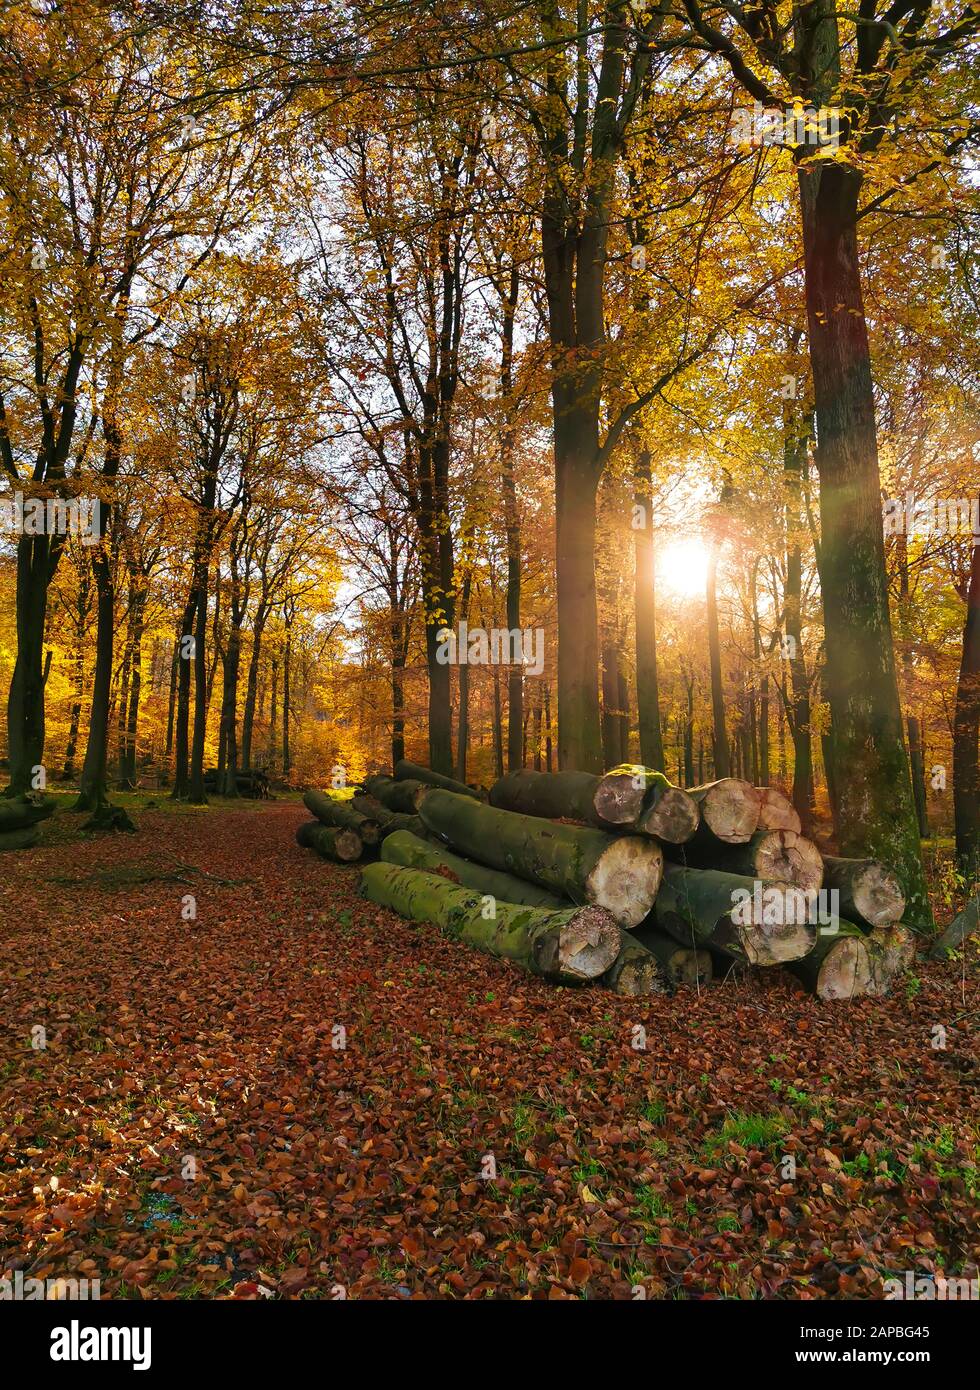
{"x": 786, "y": 857}
{"x": 619, "y": 798}
{"x": 626, "y": 878}
{"x": 777, "y": 943}
{"x": 846, "y": 971}
{"x": 777, "y": 812}
{"x": 673, "y": 817}
{"x": 582, "y": 949}
{"x": 730, "y": 810}
{"x": 878, "y": 895}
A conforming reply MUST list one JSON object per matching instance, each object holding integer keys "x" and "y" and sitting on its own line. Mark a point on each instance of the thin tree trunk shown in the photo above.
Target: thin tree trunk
{"x": 645, "y": 607}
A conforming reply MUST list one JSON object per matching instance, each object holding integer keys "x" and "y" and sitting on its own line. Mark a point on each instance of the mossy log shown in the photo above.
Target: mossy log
{"x": 25, "y": 838}
{"x": 840, "y": 966}
{"x": 414, "y": 853}
{"x": 705, "y": 907}
{"x": 777, "y": 856}
{"x": 22, "y": 811}
{"x": 963, "y": 925}
{"x": 642, "y": 797}
{"x": 636, "y": 971}
{"x": 869, "y": 892}
{"x": 414, "y": 772}
{"x": 330, "y": 842}
{"x": 777, "y": 812}
{"x": 342, "y": 815}
{"x": 550, "y": 795}
{"x": 729, "y": 811}
{"x": 682, "y": 965}
{"x": 388, "y": 822}
{"x": 570, "y": 946}
{"x": 618, "y": 872}
{"x": 404, "y": 797}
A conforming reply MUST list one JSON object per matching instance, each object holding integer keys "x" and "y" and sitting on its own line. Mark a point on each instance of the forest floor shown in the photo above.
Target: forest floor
{"x": 297, "y": 1094}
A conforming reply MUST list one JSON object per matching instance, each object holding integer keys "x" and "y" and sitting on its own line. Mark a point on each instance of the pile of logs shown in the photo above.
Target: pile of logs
{"x": 623, "y": 879}
{"x": 20, "y": 820}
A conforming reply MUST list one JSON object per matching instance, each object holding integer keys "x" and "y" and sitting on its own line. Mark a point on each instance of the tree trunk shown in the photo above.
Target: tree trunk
{"x": 405, "y": 796}
{"x": 645, "y": 611}
{"x": 720, "y": 735}
{"x": 341, "y": 815}
{"x": 195, "y": 784}
{"x": 414, "y": 853}
{"x": 839, "y": 966}
{"x": 621, "y": 874}
{"x": 579, "y": 736}
{"x": 777, "y": 811}
{"x": 966, "y": 731}
{"x": 567, "y": 947}
{"x": 876, "y": 807}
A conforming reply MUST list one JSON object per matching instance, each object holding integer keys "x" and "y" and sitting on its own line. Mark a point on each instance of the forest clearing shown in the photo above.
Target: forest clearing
{"x": 489, "y": 668}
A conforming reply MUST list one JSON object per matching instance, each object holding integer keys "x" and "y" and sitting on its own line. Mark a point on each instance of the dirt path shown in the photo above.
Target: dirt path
{"x": 299, "y": 1091}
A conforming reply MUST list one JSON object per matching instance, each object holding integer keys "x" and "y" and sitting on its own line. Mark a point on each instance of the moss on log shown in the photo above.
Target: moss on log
{"x": 705, "y": 907}
{"x": 414, "y": 853}
{"x": 632, "y": 794}
{"x": 414, "y": 772}
{"x": 963, "y": 925}
{"x": 619, "y": 873}
{"x": 570, "y": 946}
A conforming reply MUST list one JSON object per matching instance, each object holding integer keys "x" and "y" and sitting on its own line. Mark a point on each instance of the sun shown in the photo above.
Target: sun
{"x": 682, "y": 568}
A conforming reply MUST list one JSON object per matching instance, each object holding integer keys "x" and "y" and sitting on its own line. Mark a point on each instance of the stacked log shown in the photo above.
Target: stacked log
{"x": 341, "y": 814}
{"x": 630, "y": 798}
{"x": 405, "y": 796}
{"x": 620, "y": 873}
{"x": 777, "y": 856}
{"x": 541, "y": 873}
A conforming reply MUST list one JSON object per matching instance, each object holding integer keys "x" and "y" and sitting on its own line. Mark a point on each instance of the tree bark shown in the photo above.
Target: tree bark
{"x": 572, "y": 946}
{"x": 619, "y": 873}
{"x": 411, "y": 852}
{"x": 966, "y": 731}
{"x": 645, "y": 615}
{"x": 876, "y": 806}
